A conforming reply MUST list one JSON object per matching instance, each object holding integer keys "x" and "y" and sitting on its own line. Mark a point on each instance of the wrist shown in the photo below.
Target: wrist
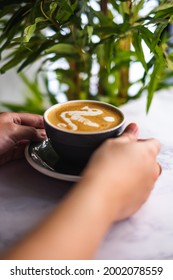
{"x": 107, "y": 191}
{"x": 99, "y": 198}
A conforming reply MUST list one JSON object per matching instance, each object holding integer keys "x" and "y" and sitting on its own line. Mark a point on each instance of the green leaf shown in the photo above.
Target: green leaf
{"x": 138, "y": 49}
{"x": 136, "y": 7}
{"x": 90, "y": 32}
{"x": 53, "y": 7}
{"x": 159, "y": 55}
{"x": 14, "y": 61}
{"x": 169, "y": 62}
{"x": 154, "y": 80}
{"x": 164, "y": 13}
{"x": 157, "y": 35}
{"x": 29, "y": 30}
{"x": 62, "y": 48}
{"x": 164, "y": 4}
{"x": 146, "y": 35}
{"x": 65, "y": 11}
{"x": 11, "y": 29}
{"x": 109, "y": 47}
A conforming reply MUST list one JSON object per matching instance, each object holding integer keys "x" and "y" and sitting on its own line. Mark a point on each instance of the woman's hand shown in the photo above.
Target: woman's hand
{"x": 117, "y": 181}
{"x": 16, "y": 131}
{"x": 123, "y": 172}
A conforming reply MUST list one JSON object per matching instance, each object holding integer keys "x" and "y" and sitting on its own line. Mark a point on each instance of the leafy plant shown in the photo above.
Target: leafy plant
{"x": 98, "y": 40}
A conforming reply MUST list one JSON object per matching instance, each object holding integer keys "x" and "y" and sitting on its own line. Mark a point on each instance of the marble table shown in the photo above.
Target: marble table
{"x": 26, "y": 195}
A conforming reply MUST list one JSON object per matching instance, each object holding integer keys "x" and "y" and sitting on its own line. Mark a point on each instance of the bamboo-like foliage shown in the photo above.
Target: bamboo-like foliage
{"x": 99, "y": 41}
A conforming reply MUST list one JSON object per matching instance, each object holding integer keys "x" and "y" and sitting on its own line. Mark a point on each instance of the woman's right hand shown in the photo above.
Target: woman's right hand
{"x": 117, "y": 181}
{"x": 123, "y": 172}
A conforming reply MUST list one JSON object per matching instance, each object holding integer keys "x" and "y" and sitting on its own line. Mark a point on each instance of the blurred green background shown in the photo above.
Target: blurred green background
{"x": 111, "y": 50}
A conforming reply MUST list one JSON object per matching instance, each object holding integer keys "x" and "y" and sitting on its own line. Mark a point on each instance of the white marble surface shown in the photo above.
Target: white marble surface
{"x": 149, "y": 233}
{"x": 26, "y": 196}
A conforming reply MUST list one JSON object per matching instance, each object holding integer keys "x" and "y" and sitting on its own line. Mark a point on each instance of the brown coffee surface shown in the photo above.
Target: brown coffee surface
{"x": 84, "y": 117}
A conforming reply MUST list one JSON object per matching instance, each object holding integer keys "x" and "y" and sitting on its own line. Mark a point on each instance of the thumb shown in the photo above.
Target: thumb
{"x": 130, "y": 133}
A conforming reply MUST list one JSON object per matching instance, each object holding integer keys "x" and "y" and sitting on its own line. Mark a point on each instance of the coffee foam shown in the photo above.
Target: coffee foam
{"x": 85, "y": 117}
{"x": 109, "y": 119}
{"x": 70, "y": 116}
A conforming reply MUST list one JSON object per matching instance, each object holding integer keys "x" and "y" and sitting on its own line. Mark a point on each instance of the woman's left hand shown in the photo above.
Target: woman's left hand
{"x": 16, "y": 131}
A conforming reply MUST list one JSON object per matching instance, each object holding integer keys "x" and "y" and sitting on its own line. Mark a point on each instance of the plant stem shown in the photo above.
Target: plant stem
{"x": 101, "y": 91}
{"x": 124, "y": 45}
{"x": 47, "y": 17}
{"x": 74, "y": 92}
{"x": 103, "y": 5}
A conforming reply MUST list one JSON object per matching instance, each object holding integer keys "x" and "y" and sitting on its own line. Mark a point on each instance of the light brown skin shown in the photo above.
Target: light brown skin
{"x": 117, "y": 181}
{"x": 16, "y": 131}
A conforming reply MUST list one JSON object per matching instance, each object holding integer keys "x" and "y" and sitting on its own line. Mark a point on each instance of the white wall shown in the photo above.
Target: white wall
{"x": 11, "y": 87}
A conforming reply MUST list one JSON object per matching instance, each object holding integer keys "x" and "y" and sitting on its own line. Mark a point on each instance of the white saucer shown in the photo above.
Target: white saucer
{"x": 43, "y": 158}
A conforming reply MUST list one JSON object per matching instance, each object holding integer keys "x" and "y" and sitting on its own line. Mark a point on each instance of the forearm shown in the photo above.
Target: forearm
{"x": 73, "y": 230}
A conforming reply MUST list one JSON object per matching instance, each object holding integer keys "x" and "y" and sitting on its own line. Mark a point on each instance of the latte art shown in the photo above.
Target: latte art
{"x": 70, "y": 116}
{"x": 84, "y": 117}
{"x": 109, "y": 119}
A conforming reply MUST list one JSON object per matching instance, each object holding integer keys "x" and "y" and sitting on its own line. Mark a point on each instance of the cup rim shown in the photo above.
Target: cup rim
{"x": 45, "y": 116}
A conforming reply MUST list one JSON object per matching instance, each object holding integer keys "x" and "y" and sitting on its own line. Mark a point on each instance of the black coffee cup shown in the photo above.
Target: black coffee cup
{"x": 77, "y": 146}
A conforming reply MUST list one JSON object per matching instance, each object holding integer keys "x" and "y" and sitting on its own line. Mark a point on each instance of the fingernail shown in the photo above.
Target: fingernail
{"x": 43, "y": 135}
{"x": 133, "y": 128}
{"x": 160, "y": 168}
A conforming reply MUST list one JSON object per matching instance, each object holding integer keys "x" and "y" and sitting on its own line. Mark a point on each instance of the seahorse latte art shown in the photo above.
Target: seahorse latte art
{"x": 70, "y": 116}
{"x": 84, "y": 117}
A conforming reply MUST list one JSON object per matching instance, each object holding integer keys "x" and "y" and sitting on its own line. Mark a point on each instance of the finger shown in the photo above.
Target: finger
{"x": 159, "y": 168}
{"x": 22, "y": 132}
{"x": 132, "y": 128}
{"x": 22, "y": 119}
{"x": 153, "y": 146}
{"x": 130, "y": 133}
{"x": 31, "y": 120}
